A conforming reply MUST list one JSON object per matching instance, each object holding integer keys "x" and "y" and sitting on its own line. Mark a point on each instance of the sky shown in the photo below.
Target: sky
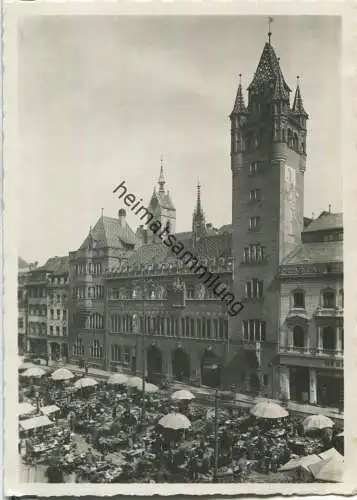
{"x": 102, "y": 98}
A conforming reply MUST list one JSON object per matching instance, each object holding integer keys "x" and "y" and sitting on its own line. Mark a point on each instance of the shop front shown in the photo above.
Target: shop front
{"x": 330, "y": 388}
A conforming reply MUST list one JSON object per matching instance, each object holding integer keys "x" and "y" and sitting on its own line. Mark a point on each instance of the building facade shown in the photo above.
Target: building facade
{"x": 43, "y": 310}
{"x": 311, "y": 315}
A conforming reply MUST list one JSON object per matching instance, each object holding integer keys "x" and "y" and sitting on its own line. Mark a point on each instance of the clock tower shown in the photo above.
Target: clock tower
{"x": 268, "y": 160}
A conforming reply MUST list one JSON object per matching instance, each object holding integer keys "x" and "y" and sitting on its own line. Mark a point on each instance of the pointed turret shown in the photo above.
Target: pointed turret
{"x": 298, "y": 106}
{"x": 239, "y": 106}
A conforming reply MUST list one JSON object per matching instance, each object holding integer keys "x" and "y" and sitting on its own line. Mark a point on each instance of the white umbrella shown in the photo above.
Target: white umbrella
{"x": 25, "y": 408}
{"x": 35, "y": 372}
{"x": 117, "y": 379}
{"x": 316, "y": 422}
{"x": 62, "y": 374}
{"x": 341, "y": 434}
{"x": 135, "y": 382}
{"x": 26, "y": 366}
{"x": 267, "y": 409}
{"x": 151, "y": 388}
{"x": 175, "y": 421}
{"x": 182, "y": 395}
{"x": 85, "y": 382}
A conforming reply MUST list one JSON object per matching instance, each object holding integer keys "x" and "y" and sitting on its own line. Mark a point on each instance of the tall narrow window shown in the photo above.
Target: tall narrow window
{"x": 329, "y": 299}
{"x": 299, "y": 299}
{"x": 254, "y": 223}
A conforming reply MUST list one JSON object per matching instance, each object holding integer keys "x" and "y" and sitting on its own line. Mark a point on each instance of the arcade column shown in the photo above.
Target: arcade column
{"x": 285, "y": 381}
{"x": 313, "y": 386}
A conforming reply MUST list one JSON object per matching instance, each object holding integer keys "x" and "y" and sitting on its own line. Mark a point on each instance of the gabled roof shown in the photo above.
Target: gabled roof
{"x": 22, "y": 264}
{"x": 325, "y": 221}
{"x": 268, "y": 70}
{"x": 319, "y": 252}
{"x": 56, "y": 265}
{"x": 109, "y": 232}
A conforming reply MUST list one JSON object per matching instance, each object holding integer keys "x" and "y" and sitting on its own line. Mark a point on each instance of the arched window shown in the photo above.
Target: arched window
{"x": 342, "y": 299}
{"x": 328, "y": 339}
{"x": 298, "y": 336}
{"x": 299, "y": 299}
{"x": 328, "y": 299}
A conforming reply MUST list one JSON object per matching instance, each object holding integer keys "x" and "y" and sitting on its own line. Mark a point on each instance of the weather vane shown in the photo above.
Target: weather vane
{"x": 270, "y": 21}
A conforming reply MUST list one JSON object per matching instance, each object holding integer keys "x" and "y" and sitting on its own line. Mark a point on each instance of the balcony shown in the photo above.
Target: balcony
{"x": 328, "y": 312}
{"x": 310, "y": 351}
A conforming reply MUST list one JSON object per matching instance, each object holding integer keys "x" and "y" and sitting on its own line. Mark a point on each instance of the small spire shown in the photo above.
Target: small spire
{"x": 161, "y": 177}
{"x": 102, "y": 212}
{"x": 280, "y": 91}
{"x": 270, "y": 21}
{"x": 198, "y": 204}
{"x": 239, "y": 106}
{"x": 298, "y": 106}
{"x": 329, "y": 208}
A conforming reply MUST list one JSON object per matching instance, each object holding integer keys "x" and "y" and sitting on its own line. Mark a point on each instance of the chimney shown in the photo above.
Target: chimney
{"x": 122, "y": 216}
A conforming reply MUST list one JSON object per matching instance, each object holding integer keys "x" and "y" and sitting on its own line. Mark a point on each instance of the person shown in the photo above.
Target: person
{"x": 54, "y": 473}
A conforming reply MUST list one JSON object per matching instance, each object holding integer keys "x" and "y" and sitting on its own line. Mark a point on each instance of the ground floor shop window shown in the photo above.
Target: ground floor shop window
{"x": 299, "y": 384}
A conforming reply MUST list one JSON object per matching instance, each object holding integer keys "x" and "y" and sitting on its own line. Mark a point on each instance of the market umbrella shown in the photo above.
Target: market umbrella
{"x": 135, "y": 382}
{"x": 341, "y": 434}
{"x": 175, "y": 421}
{"x": 25, "y": 408}
{"x": 35, "y": 372}
{"x": 151, "y": 388}
{"x": 266, "y": 409}
{"x": 330, "y": 470}
{"x": 85, "y": 382}
{"x": 26, "y": 366}
{"x": 117, "y": 379}
{"x": 317, "y": 422}
{"x": 182, "y": 395}
{"x": 62, "y": 374}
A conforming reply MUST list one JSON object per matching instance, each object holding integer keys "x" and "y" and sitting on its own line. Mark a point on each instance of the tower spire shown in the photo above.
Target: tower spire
{"x": 270, "y": 21}
{"x": 198, "y": 219}
{"x": 161, "y": 181}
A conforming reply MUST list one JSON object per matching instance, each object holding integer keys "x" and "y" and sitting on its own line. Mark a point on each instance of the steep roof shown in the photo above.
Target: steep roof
{"x": 325, "y": 221}
{"x": 109, "y": 232}
{"x": 56, "y": 265}
{"x": 207, "y": 247}
{"x": 268, "y": 70}
{"x": 319, "y": 252}
{"x": 227, "y": 228}
{"x": 239, "y": 106}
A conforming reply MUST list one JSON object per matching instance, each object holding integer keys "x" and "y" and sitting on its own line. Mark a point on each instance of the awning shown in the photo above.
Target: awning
{"x": 35, "y": 423}
{"x": 47, "y": 410}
